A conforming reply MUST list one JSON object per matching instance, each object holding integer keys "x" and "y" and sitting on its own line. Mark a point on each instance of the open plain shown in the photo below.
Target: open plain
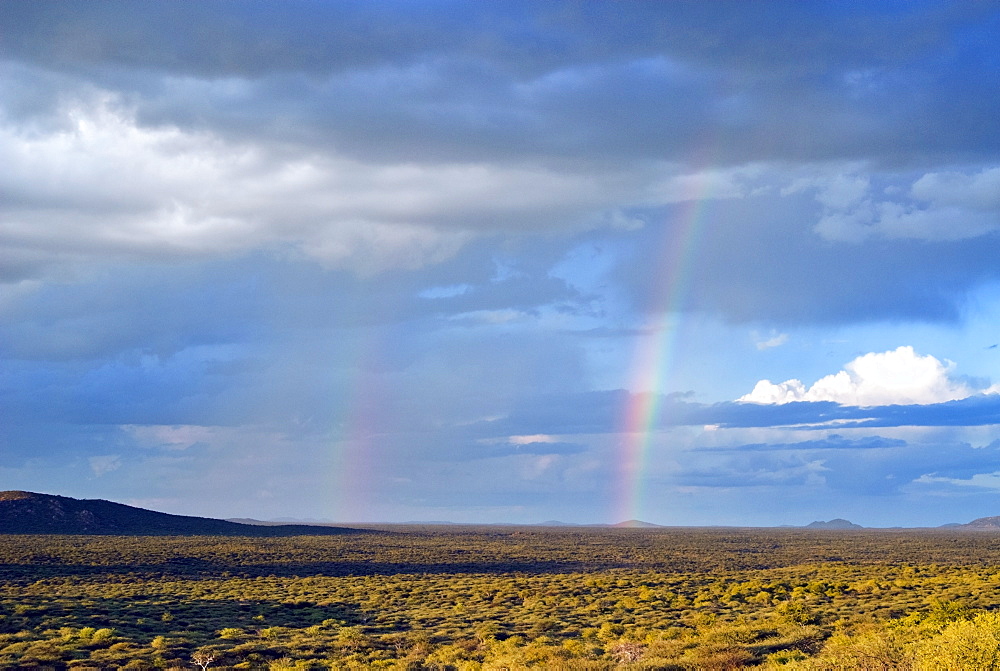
{"x": 455, "y": 597}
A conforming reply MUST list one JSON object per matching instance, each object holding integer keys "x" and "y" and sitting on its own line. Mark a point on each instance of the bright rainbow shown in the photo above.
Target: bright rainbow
{"x": 654, "y": 354}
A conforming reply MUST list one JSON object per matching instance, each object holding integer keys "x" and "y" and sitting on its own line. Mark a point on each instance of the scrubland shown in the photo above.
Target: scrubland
{"x": 505, "y": 598}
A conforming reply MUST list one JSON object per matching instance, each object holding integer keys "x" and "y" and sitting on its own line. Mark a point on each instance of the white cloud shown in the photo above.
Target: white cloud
{"x": 717, "y": 183}
{"x": 899, "y": 376}
{"x": 176, "y": 437}
{"x": 445, "y": 291}
{"x": 767, "y": 392}
{"x": 773, "y": 339}
{"x": 937, "y": 206}
{"x": 102, "y": 184}
{"x": 935, "y": 222}
{"x": 104, "y": 463}
{"x": 528, "y": 440}
{"x": 981, "y": 480}
{"x": 494, "y": 317}
{"x": 97, "y": 182}
{"x": 977, "y": 191}
{"x": 843, "y": 191}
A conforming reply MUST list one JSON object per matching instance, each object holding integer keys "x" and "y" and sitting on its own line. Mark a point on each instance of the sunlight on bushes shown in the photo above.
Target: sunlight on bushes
{"x": 694, "y": 600}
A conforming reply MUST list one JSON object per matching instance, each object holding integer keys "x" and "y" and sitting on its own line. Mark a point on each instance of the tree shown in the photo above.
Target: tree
{"x": 203, "y": 658}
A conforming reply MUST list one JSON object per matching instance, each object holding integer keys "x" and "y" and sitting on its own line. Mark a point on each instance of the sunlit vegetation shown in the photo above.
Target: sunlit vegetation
{"x": 504, "y": 598}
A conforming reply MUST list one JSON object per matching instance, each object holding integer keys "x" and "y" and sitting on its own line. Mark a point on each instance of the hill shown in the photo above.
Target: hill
{"x": 635, "y": 524}
{"x": 31, "y": 513}
{"x": 980, "y": 524}
{"x": 833, "y": 524}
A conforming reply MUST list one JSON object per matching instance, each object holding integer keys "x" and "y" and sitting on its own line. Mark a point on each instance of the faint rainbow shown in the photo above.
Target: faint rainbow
{"x": 653, "y": 355}
{"x": 354, "y": 442}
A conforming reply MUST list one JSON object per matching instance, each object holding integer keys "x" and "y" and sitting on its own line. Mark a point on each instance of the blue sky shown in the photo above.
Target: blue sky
{"x": 401, "y": 261}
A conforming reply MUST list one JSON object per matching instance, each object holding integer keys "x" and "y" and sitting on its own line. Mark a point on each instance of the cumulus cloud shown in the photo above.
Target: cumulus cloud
{"x": 896, "y": 377}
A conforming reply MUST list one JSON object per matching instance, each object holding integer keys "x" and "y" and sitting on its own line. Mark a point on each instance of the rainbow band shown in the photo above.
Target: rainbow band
{"x": 654, "y": 355}
{"x": 354, "y": 444}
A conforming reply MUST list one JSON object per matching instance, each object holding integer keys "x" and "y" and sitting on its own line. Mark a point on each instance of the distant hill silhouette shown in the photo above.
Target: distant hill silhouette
{"x": 31, "y": 513}
{"x": 980, "y": 524}
{"x": 635, "y": 524}
{"x": 834, "y": 524}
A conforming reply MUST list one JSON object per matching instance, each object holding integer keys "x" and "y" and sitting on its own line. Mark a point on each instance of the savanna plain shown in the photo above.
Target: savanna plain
{"x": 464, "y": 598}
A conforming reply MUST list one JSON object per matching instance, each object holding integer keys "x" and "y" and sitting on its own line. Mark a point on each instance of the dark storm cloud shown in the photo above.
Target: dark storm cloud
{"x": 830, "y": 442}
{"x": 530, "y": 83}
{"x": 224, "y": 38}
{"x": 605, "y": 412}
{"x": 978, "y": 410}
{"x": 464, "y": 81}
{"x": 870, "y": 472}
{"x": 983, "y": 410}
{"x": 884, "y": 472}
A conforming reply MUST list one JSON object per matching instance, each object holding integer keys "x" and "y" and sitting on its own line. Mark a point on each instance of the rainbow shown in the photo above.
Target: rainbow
{"x": 353, "y": 462}
{"x": 653, "y": 355}
{"x": 354, "y": 444}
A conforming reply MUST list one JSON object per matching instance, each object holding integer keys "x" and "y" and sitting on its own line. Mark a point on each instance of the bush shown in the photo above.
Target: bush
{"x": 964, "y": 644}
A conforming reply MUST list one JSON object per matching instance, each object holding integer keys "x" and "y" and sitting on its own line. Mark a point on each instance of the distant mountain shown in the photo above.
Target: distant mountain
{"x": 252, "y": 522}
{"x": 636, "y": 524}
{"x": 247, "y": 520}
{"x": 31, "y": 513}
{"x": 837, "y": 523}
{"x": 980, "y": 524}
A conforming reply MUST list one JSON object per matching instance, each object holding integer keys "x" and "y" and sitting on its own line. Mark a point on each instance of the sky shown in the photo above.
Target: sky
{"x": 693, "y": 263}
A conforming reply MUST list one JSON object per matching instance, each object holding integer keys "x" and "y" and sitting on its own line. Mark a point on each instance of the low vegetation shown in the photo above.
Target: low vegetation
{"x": 504, "y": 598}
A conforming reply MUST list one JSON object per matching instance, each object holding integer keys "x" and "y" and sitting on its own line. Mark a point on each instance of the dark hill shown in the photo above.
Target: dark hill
{"x": 30, "y": 513}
